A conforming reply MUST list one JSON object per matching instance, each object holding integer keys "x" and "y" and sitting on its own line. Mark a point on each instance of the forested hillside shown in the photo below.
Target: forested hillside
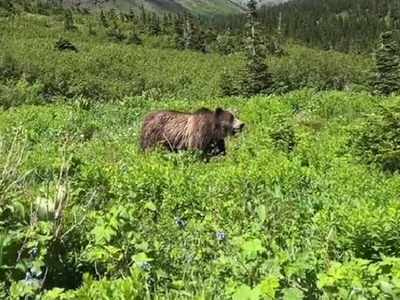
{"x": 304, "y": 205}
{"x": 344, "y": 25}
{"x": 203, "y": 7}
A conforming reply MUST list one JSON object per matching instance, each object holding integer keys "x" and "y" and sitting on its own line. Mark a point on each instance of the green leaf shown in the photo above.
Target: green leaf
{"x": 251, "y": 248}
{"x": 150, "y": 206}
{"x": 396, "y": 282}
{"x": 255, "y": 293}
{"x": 141, "y": 258}
{"x": 374, "y": 291}
{"x": 102, "y": 233}
{"x": 262, "y": 212}
{"x": 242, "y": 292}
{"x": 292, "y": 294}
{"x": 144, "y": 246}
{"x": 19, "y": 207}
{"x": 177, "y": 284}
{"x": 161, "y": 274}
{"x": 54, "y": 293}
{"x": 386, "y": 287}
{"x": 269, "y": 285}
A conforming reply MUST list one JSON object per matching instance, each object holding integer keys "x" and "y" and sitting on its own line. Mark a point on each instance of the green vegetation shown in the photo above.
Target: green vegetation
{"x": 387, "y": 77}
{"x": 304, "y": 205}
{"x": 341, "y": 25}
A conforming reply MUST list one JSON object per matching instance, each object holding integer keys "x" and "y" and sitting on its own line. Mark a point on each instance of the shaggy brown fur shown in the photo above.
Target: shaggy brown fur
{"x": 202, "y": 130}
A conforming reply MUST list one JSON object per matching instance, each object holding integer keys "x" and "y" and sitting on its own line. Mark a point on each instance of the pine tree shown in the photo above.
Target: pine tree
{"x": 256, "y": 78}
{"x": 178, "y": 33}
{"x": 154, "y": 27}
{"x": 134, "y": 38}
{"x": 69, "y": 21}
{"x": 143, "y": 14}
{"x": 112, "y": 16}
{"x": 188, "y": 32}
{"x": 103, "y": 19}
{"x": 387, "y": 75}
{"x": 225, "y": 44}
{"x": 8, "y": 7}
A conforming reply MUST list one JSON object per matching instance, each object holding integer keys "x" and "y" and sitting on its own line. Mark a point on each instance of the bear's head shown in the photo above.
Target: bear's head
{"x": 230, "y": 125}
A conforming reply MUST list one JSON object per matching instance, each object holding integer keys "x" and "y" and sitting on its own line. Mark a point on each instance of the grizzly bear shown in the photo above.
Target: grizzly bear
{"x": 203, "y": 130}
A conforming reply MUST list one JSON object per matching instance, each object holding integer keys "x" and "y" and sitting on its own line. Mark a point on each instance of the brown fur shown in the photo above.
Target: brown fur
{"x": 203, "y": 130}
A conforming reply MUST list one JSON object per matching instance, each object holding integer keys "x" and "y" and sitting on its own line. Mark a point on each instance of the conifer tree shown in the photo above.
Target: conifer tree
{"x": 131, "y": 15}
{"x": 256, "y": 78}
{"x": 112, "y": 16}
{"x": 103, "y": 19}
{"x": 134, "y": 38}
{"x": 8, "y": 7}
{"x": 194, "y": 38}
{"x": 154, "y": 27}
{"x": 143, "y": 14}
{"x": 189, "y": 31}
{"x": 69, "y": 21}
{"x": 387, "y": 75}
{"x": 178, "y": 32}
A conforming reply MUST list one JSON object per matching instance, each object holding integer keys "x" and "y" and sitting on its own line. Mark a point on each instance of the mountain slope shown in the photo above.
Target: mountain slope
{"x": 203, "y": 7}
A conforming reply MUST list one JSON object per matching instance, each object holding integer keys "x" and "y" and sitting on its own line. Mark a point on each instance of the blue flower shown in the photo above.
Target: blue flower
{"x": 220, "y": 235}
{"x": 178, "y": 221}
{"x": 143, "y": 265}
{"x": 33, "y": 251}
{"x": 188, "y": 257}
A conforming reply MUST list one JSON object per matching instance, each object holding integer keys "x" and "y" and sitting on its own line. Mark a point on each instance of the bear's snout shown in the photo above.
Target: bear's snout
{"x": 238, "y": 126}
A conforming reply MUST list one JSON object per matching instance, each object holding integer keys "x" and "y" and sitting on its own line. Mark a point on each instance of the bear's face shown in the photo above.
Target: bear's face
{"x": 230, "y": 125}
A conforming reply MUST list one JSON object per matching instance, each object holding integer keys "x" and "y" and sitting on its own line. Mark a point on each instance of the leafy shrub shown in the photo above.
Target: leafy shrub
{"x": 377, "y": 140}
{"x": 283, "y": 135}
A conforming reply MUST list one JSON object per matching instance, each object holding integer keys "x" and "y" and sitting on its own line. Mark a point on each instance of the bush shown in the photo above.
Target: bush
{"x": 377, "y": 140}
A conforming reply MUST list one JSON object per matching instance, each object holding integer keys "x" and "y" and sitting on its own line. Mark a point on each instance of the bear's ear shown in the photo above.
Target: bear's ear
{"x": 218, "y": 112}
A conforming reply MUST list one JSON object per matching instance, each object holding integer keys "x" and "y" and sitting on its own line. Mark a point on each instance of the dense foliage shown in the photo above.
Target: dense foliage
{"x": 386, "y": 80}
{"x": 138, "y": 55}
{"x": 343, "y": 25}
{"x": 304, "y": 205}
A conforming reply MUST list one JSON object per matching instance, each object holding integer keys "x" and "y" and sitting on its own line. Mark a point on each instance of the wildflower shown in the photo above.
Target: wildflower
{"x": 178, "y": 221}
{"x": 36, "y": 273}
{"x": 188, "y": 257}
{"x": 28, "y": 275}
{"x": 33, "y": 251}
{"x": 143, "y": 265}
{"x": 220, "y": 235}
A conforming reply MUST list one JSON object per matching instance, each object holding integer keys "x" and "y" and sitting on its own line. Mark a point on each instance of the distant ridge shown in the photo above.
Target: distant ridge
{"x": 203, "y": 7}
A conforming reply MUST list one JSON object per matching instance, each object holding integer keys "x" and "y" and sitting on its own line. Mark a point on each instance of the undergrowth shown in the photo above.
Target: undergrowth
{"x": 312, "y": 222}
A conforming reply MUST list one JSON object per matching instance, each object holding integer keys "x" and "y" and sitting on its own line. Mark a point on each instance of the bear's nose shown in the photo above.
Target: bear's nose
{"x": 241, "y": 126}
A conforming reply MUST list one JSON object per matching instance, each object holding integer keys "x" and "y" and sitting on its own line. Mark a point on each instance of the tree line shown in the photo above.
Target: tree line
{"x": 344, "y": 25}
